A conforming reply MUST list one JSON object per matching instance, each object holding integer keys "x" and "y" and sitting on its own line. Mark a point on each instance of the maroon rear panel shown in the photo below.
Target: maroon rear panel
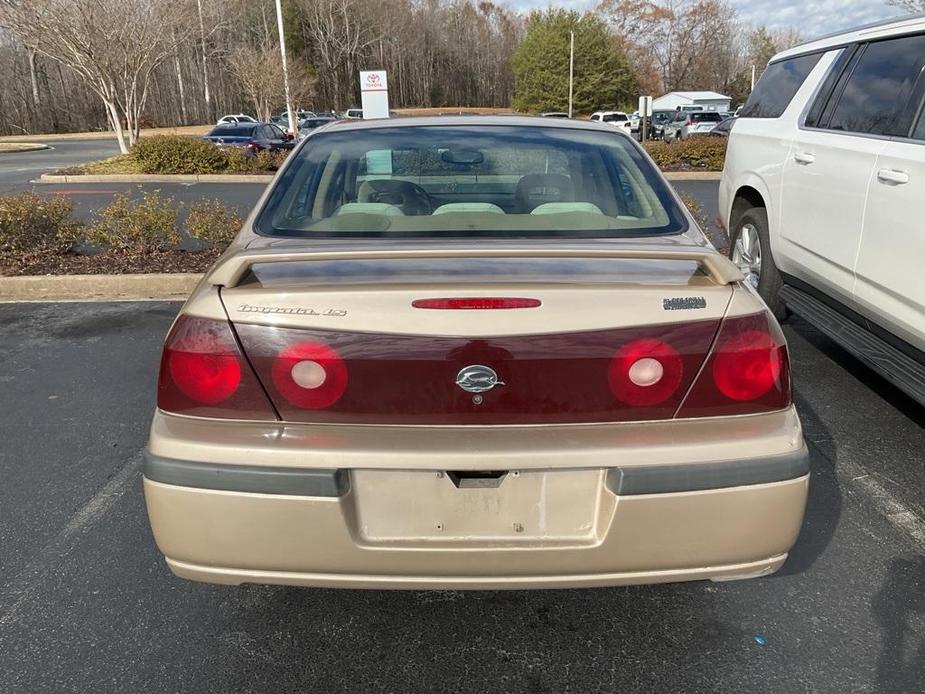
{"x": 399, "y": 379}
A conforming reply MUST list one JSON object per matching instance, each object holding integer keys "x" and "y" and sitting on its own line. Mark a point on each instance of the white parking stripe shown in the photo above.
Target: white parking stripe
{"x": 896, "y": 512}
{"x": 29, "y": 580}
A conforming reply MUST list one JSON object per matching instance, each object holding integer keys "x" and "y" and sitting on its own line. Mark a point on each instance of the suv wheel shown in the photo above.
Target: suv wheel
{"x": 750, "y": 250}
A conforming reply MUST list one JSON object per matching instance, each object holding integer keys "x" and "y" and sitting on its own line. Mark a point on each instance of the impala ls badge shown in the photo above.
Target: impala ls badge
{"x": 477, "y": 378}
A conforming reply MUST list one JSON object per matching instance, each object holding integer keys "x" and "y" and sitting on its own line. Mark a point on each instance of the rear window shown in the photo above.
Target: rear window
{"x": 233, "y": 131}
{"x": 463, "y": 181}
{"x": 615, "y": 117}
{"x": 705, "y": 117}
{"x": 777, "y": 85}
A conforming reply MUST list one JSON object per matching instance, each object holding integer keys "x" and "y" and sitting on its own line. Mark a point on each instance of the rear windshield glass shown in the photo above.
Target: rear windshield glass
{"x": 463, "y": 181}
{"x": 233, "y": 131}
{"x": 701, "y": 117}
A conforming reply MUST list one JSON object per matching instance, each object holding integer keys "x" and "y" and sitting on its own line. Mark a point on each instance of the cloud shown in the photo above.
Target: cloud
{"x": 811, "y": 17}
{"x": 814, "y": 17}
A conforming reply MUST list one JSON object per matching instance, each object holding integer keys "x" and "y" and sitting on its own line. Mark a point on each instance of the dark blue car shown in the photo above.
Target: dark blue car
{"x": 254, "y": 137}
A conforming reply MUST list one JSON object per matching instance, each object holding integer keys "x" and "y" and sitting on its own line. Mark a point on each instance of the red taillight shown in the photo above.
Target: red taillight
{"x": 622, "y": 374}
{"x": 748, "y": 371}
{"x": 204, "y": 373}
{"x": 747, "y": 366}
{"x": 645, "y": 372}
{"x": 253, "y": 146}
{"x": 481, "y": 302}
{"x": 310, "y": 375}
{"x": 207, "y": 378}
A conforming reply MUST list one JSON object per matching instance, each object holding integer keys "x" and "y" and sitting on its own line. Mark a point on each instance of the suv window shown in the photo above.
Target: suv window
{"x": 610, "y": 117}
{"x": 918, "y": 133}
{"x": 875, "y": 96}
{"x": 777, "y": 86}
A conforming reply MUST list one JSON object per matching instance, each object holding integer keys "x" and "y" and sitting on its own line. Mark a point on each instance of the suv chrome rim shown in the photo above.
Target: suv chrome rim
{"x": 746, "y": 253}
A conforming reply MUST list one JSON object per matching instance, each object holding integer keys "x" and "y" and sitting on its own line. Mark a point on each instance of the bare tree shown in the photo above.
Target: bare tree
{"x": 437, "y": 53}
{"x": 112, "y": 45}
{"x": 909, "y": 5}
{"x": 260, "y": 72}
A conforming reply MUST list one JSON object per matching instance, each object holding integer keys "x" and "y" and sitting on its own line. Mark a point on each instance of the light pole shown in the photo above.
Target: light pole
{"x": 571, "y": 66}
{"x": 571, "y": 69}
{"x": 282, "y": 50}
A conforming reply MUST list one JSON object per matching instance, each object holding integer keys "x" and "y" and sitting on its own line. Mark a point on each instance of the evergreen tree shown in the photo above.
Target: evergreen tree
{"x": 603, "y": 76}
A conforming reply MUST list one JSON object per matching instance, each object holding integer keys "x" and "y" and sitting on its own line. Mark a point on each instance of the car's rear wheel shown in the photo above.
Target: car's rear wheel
{"x": 750, "y": 250}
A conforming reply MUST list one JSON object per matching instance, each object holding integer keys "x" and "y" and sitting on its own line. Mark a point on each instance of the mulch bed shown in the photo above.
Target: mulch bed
{"x": 106, "y": 263}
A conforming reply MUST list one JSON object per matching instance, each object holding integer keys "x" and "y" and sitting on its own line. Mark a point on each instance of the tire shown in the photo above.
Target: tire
{"x": 750, "y": 227}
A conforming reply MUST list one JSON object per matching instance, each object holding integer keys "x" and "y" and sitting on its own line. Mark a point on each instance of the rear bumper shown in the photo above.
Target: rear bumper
{"x": 367, "y": 526}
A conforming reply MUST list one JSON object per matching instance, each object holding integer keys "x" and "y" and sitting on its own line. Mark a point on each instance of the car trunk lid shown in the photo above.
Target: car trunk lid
{"x": 410, "y": 338}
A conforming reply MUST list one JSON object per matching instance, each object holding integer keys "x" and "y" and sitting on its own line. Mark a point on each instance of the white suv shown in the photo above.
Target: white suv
{"x": 823, "y": 192}
{"x": 618, "y": 119}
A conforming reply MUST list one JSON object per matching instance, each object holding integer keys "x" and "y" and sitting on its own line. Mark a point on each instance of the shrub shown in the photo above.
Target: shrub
{"x": 30, "y": 223}
{"x": 211, "y": 221}
{"x": 139, "y": 226}
{"x": 266, "y": 160}
{"x": 174, "y": 154}
{"x": 696, "y": 153}
{"x": 237, "y": 160}
{"x": 711, "y": 228}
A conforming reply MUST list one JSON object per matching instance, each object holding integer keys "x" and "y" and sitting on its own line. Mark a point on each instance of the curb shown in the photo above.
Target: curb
{"x": 97, "y": 287}
{"x": 693, "y": 175}
{"x": 22, "y": 147}
{"x": 157, "y": 178}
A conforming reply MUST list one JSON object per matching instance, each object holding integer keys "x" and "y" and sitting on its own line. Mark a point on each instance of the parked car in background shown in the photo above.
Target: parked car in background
{"x": 617, "y": 119}
{"x": 309, "y": 124}
{"x": 403, "y": 375}
{"x": 723, "y": 128}
{"x": 673, "y": 127}
{"x": 659, "y": 120}
{"x": 554, "y": 114}
{"x": 823, "y": 192}
{"x": 353, "y": 114}
{"x": 635, "y": 121}
{"x": 700, "y": 123}
{"x": 236, "y": 118}
{"x": 254, "y": 137}
{"x": 282, "y": 119}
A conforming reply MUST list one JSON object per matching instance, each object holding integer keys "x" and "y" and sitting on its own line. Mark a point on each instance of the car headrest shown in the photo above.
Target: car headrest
{"x": 468, "y": 207}
{"x": 381, "y": 208}
{"x": 559, "y": 207}
{"x": 537, "y": 189}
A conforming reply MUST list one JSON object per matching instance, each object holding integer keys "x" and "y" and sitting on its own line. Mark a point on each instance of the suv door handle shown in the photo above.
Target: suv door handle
{"x": 892, "y": 176}
{"x": 804, "y": 157}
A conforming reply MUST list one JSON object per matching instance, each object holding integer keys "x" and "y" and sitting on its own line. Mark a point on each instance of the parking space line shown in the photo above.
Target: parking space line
{"x": 29, "y": 579}
{"x": 896, "y": 512}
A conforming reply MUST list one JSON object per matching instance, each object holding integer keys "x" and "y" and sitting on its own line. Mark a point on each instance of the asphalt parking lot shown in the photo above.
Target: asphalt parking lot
{"x": 87, "y": 605}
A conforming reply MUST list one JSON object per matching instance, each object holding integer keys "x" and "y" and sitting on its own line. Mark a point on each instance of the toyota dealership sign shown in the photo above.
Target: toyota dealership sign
{"x": 374, "y": 92}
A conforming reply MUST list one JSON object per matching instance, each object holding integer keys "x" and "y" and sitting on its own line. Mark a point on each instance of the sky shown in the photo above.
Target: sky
{"x": 811, "y": 17}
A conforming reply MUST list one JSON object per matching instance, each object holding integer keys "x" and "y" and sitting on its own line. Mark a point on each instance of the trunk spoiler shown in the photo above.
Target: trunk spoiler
{"x": 230, "y": 272}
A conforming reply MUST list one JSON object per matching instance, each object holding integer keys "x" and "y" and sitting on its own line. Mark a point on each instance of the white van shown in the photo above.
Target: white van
{"x": 823, "y": 192}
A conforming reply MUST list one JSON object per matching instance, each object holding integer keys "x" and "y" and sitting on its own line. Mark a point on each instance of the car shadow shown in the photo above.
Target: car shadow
{"x": 858, "y": 369}
{"x": 823, "y": 507}
{"x": 900, "y": 601}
